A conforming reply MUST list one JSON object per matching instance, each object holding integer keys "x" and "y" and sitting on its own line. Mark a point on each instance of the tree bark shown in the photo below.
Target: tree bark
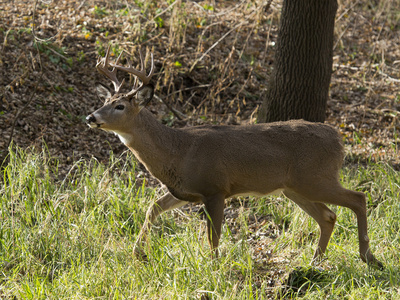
{"x": 299, "y": 84}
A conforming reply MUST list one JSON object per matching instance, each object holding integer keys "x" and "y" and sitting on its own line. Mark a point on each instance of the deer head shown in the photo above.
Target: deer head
{"x": 119, "y": 108}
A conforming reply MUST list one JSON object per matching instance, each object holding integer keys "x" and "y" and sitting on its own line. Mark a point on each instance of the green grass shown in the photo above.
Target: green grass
{"x": 72, "y": 238}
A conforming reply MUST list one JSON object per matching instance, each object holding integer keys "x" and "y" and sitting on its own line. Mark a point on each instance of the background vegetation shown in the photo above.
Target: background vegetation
{"x": 70, "y": 214}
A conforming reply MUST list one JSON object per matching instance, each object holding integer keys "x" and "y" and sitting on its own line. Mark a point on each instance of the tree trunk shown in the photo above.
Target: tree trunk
{"x": 299, "y": 84}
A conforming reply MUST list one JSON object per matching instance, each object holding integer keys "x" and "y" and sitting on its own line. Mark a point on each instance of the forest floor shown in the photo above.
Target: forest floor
{"x": 212, "y": 65}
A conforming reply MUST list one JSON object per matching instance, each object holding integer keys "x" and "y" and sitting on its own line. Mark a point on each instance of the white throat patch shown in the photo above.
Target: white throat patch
{"x": 125, "y": 138}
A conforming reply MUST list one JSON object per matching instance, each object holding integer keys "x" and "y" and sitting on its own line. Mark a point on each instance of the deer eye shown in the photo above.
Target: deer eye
{"x": 120, "y": 107}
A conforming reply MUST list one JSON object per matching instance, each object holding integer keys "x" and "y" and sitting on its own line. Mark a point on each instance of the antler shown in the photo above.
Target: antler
{"x": 102, "y": 67}
{"x": 139, "y": 74}
{"x": 103, "y": 63}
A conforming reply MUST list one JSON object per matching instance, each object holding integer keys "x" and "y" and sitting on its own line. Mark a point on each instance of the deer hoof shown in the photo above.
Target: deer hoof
{"x": 376, "y": 264}
{"x": 372, "y": 261}
{"x": 139, "y": 254}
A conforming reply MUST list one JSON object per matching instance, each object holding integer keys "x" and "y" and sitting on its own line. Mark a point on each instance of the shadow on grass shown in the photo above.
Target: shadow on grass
{"x": 306, "y": 279}
{"x": 300, "y": 280}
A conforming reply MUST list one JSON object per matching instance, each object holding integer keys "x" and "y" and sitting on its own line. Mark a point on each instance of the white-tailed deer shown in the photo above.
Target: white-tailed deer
{"x": 208, "y": 164}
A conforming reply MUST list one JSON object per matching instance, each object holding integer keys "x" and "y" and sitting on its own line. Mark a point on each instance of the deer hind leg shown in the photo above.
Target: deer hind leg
{"x": 334, "y": 193}
{"x": 165, "y": 203}
{"x": 321, "y": 214}
{"x": 215, "y": 213}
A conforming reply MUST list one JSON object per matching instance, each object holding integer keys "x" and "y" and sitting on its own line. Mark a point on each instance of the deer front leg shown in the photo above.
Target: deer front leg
{"x": 215, "y": 213}
{"x": 165, "y": 203}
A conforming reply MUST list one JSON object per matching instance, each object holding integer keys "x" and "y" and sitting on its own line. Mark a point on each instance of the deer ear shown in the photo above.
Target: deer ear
{"x": 103, "y": 92}
{"x": 144, "y": 95}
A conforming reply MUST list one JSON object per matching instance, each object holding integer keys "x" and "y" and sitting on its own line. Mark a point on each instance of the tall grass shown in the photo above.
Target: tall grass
{"x": 72, "y": 238}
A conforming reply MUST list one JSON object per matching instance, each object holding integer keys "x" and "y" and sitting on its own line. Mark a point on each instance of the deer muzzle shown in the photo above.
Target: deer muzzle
{"x": 92, "y": 122}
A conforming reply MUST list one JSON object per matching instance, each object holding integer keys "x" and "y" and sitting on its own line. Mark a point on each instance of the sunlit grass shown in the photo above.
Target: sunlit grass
{"x": 72, "y": 238}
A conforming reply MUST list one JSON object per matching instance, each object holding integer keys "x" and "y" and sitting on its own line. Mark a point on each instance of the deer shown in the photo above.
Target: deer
{"x": 210, "y": 163}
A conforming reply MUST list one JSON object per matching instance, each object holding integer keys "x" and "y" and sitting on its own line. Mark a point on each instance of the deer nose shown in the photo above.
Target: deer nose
{"x": 90, "y": 119}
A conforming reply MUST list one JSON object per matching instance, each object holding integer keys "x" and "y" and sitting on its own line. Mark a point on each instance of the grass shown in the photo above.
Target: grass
{"x": 73, "y": 239}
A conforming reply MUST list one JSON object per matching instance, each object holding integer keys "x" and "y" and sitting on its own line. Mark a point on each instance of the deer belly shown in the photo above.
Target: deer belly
{"x": 257, "y": 193}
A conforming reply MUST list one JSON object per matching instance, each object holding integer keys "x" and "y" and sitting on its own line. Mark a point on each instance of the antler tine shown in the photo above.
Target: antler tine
{"x": 152, "y": 65}
{"x": 141, "y": 61}
{"x": 102, "y": 67}
{"x": 139, "y": 74}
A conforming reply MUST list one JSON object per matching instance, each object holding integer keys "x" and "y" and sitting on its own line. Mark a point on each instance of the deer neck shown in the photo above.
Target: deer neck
{"x": 154, "y": 144}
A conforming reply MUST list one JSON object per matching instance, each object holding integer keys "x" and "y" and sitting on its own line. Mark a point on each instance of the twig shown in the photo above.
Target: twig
{"x": 215, "y": 44}
{"x": 80, "y": 5}
{"x": 178, "y": 114}
{"x": 190, "y": 88}
{"x": 340, "y": 37}
{"x": 388, "y": 77}
{"x": 5, "y": 39}
{"x": 347, "y": 27}
{"x": 226, "y": 12}
{"x": 347, "y": 10}
{"x": 165, "y": 10}
{"x": 181, "y": 116}
{"x": 33, "y": 25}
{"x": 358, "y": 69}
{"x": 56, "y": 53}
{"x": 224, "y": 36}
